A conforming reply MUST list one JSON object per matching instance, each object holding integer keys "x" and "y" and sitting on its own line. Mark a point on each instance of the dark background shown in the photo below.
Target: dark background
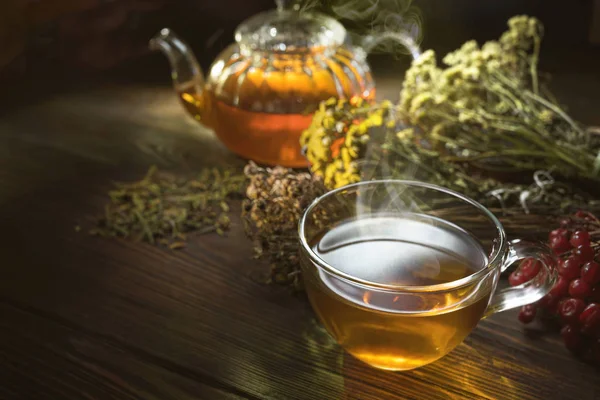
{"x": 51, "y": 44}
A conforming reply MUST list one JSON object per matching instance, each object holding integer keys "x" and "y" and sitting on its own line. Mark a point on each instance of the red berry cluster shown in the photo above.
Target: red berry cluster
{"x": 575, "y": 298}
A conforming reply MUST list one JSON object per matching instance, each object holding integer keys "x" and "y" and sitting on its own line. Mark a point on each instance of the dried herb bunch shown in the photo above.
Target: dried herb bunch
{"x": 161, "y": 208}
{"x": 489, "y": 107}
{"x": 351, "y": 142}
{"x": 276, "y": 199}
{"x": 487, "y": 112}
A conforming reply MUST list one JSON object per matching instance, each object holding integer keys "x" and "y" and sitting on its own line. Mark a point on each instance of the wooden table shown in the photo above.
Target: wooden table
{"x": 89, "y": 318}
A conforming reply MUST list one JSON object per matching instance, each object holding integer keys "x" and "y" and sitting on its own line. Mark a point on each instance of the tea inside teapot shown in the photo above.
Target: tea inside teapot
{"x": 261, "y": 91}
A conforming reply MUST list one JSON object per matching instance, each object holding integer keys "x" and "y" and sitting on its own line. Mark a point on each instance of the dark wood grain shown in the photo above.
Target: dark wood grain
{"x": 90, "y": 318}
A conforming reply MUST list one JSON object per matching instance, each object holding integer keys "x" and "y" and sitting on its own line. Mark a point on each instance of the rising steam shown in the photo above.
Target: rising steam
{"x": 388, "y": 26}
{"x": 392, "y": 27}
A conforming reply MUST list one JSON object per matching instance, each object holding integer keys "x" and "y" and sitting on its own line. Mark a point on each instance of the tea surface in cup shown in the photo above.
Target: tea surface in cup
{"x": 398, "y": 330}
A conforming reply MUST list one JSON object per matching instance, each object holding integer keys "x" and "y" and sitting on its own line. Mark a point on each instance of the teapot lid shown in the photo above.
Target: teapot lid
{"x": 287, "y": 29}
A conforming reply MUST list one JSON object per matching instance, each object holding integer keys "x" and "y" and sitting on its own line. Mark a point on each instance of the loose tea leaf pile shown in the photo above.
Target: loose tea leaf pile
{"x": 276, "y": 199}
{"x": 162, "y": 208}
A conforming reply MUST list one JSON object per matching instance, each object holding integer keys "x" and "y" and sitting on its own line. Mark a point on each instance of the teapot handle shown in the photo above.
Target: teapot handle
{"x": 369, "y": 42}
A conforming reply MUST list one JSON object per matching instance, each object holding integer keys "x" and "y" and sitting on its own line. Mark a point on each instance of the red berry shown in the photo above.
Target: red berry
{"x": 581, "y": 214}
{"x": 570, "y": 309}
{"x": 527, "y": 313}
{"x": 591, "y": 330}
{"x": 579, "y": 288}
{"x": 559, "y": 232}
{"x": 553, "y": 302}
{"x": 560, "y": 244}
{"x": 590, "y": 272}
{"x": 571, "y": 337}
{"x": 580, "y": 238}
{"x": 595, "y": 296}
{"x": 565, "y": 222}
{"x": 516, "y": 278}
{"x": 545, "y": 301}
{"x": 529, "y": 268}
{"x": 591, "y": 308}
{"x": 560, "y": 288}
{"x": 590, "y": 320}
{"x": 595, "y": 353}
{"x": 591, "y": 313}
{"x": 569, "y": 268}
{"x": 585, "y": 253}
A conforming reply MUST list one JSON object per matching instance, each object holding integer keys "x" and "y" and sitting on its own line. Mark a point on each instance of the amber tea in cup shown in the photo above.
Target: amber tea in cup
{"x": 400, "y": 272}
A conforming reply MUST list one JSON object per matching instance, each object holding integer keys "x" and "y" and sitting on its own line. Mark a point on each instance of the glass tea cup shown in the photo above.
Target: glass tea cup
{"x": 400, "y": 272}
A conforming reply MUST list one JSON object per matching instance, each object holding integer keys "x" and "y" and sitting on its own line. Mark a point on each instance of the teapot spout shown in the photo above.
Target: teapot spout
{"x": 186, "y": 73}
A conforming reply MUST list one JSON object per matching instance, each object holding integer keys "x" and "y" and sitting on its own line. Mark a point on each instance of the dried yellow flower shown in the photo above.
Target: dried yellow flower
{"x": 333, "y": 147}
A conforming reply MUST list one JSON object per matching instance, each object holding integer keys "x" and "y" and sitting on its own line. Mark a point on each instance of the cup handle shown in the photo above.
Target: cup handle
{"x": 533, "y": 290}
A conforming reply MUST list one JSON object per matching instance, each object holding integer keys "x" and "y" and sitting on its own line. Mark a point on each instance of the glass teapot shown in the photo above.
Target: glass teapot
{"x": 260, "y": 90}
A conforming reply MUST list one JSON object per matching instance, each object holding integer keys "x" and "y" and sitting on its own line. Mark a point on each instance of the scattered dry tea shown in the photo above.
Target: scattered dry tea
{"x": 276, "y": 199}
{"x": 161, "y": 208}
